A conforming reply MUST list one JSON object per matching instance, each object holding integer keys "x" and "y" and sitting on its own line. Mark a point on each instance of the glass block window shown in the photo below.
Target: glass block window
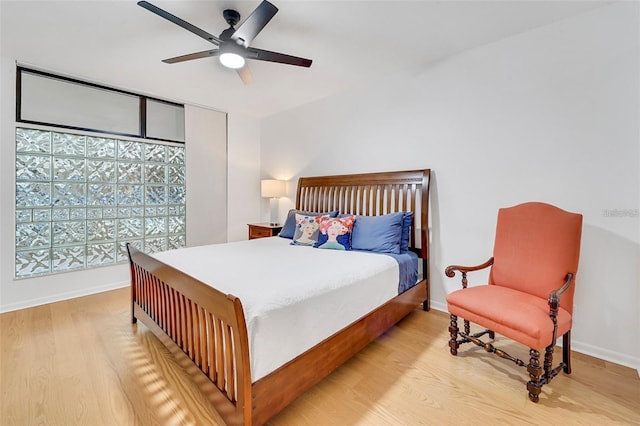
{"x": 80, "y": 199}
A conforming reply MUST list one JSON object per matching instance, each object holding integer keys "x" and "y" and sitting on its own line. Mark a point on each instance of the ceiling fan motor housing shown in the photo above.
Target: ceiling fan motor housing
{"x": 231, "y": 16}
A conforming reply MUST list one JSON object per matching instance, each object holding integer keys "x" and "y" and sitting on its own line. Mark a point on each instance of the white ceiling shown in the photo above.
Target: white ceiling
{"x": 351, "y": 43}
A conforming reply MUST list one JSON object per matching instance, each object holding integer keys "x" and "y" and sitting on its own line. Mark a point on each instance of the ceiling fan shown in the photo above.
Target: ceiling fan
{"x": 233, "y": 43}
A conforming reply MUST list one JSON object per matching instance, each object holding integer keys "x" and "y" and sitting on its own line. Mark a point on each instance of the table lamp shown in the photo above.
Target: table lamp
{"x": 273, "y": 189}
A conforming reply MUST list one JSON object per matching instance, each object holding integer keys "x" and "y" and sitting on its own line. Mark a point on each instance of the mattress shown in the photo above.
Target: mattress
{"x": 293, "y": 296}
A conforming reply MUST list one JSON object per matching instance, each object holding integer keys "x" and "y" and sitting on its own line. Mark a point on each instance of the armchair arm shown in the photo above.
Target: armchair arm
{"x": 554, "y": 301}
{"x": 450, "y": 270}
{"x": 554, "y": 296}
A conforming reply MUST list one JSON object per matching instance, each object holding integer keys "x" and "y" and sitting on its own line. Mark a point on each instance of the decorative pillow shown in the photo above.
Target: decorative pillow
{"x": 381, "y": 234}
{"x": 406, "y": 230}
{"x": 335, "y": 233}
{"x": 289, "y": 227}
{"x": 307, "y": 229}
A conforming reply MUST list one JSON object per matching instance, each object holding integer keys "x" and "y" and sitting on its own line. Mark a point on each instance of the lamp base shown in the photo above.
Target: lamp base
{"x": 273, "y": 204}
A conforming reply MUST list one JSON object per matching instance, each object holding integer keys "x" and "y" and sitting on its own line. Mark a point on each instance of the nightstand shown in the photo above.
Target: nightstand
{"x": 261, "y": 230}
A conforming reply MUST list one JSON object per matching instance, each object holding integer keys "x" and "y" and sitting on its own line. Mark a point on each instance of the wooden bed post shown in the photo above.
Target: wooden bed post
{"x": 134, "y": 320}
{"x": 424, "y": 234}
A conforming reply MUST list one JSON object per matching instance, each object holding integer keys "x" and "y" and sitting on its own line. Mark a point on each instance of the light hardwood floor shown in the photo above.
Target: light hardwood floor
{"x": 81, "y": 362}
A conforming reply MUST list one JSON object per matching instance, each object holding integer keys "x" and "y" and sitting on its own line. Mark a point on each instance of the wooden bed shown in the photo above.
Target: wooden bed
{"x": 209, "y": 327}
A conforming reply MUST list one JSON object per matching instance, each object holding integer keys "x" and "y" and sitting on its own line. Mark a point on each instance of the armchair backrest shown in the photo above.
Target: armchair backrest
{"x": 536, "y": 245}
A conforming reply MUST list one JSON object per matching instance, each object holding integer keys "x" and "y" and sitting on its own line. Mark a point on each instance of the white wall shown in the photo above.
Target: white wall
{"x": 243, "y": 204}
{"x": 548, "y": 115}
{"x": 206, "y": 175}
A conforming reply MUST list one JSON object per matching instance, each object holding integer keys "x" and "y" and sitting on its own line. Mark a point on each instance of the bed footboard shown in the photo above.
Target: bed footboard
{"x": 206, "y": 325}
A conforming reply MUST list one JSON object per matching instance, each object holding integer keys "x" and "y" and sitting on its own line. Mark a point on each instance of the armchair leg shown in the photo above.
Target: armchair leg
{"x": 453, "y": 331}
{"x": 534, "y": 386}
{"x": 566, "y": 352}
{"x": 548, "y": 360}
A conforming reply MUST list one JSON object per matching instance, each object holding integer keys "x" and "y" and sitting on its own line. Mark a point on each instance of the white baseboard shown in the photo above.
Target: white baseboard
{"x": 583, "y": 348}
{"x": 606, "y": 355}
{"x": 438, "y": 306}
{"x": 61, "y": 296}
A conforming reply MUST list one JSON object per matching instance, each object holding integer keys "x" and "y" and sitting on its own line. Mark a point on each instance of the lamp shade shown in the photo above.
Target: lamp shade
{"x": 272, "y": 188}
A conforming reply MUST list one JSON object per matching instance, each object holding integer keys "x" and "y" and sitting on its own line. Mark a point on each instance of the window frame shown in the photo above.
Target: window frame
{"x": 142, "y": 100}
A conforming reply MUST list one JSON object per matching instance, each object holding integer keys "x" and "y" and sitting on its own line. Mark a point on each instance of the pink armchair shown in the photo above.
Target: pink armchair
{"x": 529, "y": 297}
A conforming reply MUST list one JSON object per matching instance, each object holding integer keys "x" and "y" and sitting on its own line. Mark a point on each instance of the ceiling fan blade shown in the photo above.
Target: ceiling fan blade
{"x": 245, "y": 74}
{"x": 198, "y": 55}
{"x": 251, "y": 26}
{"x": 184, "y": 24}
{"x": 265, "y": 55}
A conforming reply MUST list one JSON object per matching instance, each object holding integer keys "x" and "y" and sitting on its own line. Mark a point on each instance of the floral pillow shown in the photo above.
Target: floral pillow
{"x": 335, "y": 233}
{"x": 307, "y": 229}
{"x": 289, "y": 227}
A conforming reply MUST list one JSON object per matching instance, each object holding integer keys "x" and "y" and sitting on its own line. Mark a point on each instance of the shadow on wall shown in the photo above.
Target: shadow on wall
{"x": 606, "y": 303}
{"x": 436, "y": 284}
{"x": 440, "y": 285}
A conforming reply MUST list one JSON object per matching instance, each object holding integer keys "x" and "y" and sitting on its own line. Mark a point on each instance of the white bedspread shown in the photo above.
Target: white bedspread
{"x": 293, "y": 296}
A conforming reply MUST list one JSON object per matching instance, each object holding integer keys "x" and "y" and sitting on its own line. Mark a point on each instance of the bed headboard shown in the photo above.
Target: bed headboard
{"x": 373, "y": 194}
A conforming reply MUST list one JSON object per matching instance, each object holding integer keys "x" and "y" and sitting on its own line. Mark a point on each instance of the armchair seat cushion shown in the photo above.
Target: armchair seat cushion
{"x": 511, "y": 313}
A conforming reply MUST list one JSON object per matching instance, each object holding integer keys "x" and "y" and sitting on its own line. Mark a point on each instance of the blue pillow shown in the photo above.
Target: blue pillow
{"x": 289, "y": 227}
{"x": 335, "y": 233}
{"x": 406, "y": 228}
{"x": 381, "y": 234}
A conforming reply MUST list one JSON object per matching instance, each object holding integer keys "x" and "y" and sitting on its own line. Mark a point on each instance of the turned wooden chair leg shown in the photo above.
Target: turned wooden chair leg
{"x": 548, "y": 360}
{"x": 534, "y": 386}
{"x": 453, "y": 331}
{"x": 566, "y": 352}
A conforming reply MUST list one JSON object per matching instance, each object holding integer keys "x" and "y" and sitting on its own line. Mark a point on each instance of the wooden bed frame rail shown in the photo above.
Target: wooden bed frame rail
{"x": 207, "y": 327}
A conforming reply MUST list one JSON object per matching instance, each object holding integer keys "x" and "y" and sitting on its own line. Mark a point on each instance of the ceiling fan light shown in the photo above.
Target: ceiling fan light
{"x": 231, "y": 60}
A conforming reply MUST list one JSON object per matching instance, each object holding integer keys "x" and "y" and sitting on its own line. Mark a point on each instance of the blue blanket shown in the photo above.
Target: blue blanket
{"x": 408, "y": 263}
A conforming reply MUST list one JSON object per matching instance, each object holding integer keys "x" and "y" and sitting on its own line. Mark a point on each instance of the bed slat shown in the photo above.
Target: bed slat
{"x": 211, "y": 348}
{"x": 220, "y": 355}
{"x": 229, "y": 370}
